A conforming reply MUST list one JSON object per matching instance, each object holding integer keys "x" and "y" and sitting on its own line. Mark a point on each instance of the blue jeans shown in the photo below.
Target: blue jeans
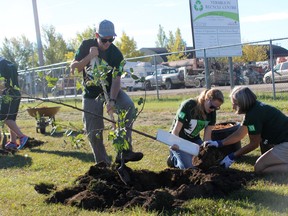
{"x": 183, "y": 160}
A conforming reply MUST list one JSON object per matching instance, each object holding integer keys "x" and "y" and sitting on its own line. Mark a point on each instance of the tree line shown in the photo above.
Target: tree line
{"x": 23, "y": 52}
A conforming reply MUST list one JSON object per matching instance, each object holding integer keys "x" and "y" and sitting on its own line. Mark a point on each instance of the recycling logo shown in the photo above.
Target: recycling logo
{"x": 198, "y": 5}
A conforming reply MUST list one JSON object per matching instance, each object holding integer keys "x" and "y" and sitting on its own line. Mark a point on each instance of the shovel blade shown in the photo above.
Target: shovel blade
{"x": 124, "y": 175}
{"x": 184, "y": 145}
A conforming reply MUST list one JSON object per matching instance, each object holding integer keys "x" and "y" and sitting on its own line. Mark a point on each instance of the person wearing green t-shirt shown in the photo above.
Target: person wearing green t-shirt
{"x": 193, "y": 116}
{"x": 9, "y": 89}
{"x": 263, "y": 123}
{"x": 102, "y": 47}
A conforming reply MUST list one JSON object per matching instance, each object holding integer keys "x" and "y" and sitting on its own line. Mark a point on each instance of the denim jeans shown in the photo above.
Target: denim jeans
{"x": 183, "y": 160}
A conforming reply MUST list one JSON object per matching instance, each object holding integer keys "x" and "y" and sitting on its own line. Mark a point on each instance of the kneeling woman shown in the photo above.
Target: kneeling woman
{"x": 263, "y": 123}
{"x": 192, "y": 117}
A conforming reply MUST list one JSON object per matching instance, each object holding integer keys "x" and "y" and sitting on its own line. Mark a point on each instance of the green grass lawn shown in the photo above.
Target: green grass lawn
{"x": 60, "y": 163}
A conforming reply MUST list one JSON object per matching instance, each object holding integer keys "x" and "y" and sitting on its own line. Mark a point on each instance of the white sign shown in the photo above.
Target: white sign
{"x": 216, "y": 23}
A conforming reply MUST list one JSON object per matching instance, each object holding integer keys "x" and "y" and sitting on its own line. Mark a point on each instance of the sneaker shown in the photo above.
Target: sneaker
{"x": 11, "y": 146}
{"x": 23, "y": 141}
{"x": 129, "y": 156}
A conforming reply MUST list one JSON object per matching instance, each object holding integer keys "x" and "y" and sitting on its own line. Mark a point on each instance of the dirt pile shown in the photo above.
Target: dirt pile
{"x": 208, "y": 158}
{"x": 102, "y": 189}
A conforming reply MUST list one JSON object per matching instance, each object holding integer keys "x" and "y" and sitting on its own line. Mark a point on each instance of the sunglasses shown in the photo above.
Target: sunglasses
{"x": 103, "y": 40}
{"x": 212, "y": 107}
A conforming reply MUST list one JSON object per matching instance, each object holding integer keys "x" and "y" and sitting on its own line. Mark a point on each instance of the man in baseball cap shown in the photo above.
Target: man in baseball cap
{"x": 106, "y": 28}
{"x": 102, "y": 47}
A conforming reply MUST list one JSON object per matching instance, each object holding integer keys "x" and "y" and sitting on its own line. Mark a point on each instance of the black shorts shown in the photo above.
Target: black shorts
{"x": 9, "y": 109}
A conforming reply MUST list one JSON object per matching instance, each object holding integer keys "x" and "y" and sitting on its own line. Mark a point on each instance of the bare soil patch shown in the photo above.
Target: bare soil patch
{"x": 102, "y": 189}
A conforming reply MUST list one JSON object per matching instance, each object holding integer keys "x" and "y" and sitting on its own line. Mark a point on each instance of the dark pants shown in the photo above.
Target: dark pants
{"x": 10, "y": 104}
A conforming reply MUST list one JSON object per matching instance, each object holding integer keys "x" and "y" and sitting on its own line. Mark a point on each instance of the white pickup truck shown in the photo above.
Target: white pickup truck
{"x": 130, "y": 84}
{"x": 168, "y": 78}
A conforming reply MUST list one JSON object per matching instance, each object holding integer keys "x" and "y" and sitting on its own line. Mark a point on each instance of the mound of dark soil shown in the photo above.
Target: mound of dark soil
{"x": 101, "y": 187}
{"x": 45, "y": 188}
{"x": 208, "y": 157}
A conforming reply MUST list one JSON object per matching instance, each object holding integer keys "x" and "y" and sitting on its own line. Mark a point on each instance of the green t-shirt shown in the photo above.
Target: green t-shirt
{"x": 192, "y": 125}
{"x": 268, "y": 121}
{"x": 112, "y": 56}
{"x": 8, "y": 71}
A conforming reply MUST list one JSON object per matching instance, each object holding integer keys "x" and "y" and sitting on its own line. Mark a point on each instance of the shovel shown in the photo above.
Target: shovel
{"x": 122, "y": 172}
{"x": 106, "y": 96}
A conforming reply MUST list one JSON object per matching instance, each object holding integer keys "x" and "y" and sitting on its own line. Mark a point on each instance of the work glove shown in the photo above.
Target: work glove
{"x": 216, "y": 143}
{"x": 228, "y": 160}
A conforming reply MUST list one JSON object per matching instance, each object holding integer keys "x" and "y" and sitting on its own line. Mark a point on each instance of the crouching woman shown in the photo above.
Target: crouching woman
{"x": 193, "y": 116}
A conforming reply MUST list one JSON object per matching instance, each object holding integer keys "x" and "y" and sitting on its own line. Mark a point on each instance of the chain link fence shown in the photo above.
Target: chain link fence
{"x": 55, "y": 80}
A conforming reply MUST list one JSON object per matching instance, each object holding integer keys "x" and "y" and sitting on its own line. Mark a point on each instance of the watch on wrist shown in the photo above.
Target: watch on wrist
{"x": 112, "y": 100}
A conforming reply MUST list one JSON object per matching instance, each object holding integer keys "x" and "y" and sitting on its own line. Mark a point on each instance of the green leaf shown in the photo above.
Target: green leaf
{"x": 134, "y": 77}
{"x": 140, "y": 101}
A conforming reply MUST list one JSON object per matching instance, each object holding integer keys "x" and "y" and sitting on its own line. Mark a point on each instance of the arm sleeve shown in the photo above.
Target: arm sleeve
{"x": 115, "y": 59}
{"x": 81, "y": 52}
{"x": 253, "y": 124}
{"x": 185, "y": 108}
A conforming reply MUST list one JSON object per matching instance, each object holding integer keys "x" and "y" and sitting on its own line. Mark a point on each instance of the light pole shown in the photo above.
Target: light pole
{"x": 38, "y": 35}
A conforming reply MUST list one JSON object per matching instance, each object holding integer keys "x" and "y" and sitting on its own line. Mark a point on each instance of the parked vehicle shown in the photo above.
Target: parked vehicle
{"x": 129, "y": 83}
{"x": 280, "y": 73}
{"x": 253, "y": 74}
{"x": 217, "y": 77}
{"x": 220, "y": 77}
{"x": 140, "y": 69}
{"x": 167, "y": 78}
{"x": 192, "y": 77}
{"x": 66, "y": 86}
{"x": 241, "y": 80}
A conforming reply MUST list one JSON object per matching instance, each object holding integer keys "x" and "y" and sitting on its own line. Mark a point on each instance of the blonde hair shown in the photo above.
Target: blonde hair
{"x": 207, "y": 94}
{"x": 244, "y": 97}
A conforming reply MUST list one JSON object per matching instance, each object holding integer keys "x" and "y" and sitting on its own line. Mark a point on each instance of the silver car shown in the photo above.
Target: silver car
{"x": 280, "y": 73}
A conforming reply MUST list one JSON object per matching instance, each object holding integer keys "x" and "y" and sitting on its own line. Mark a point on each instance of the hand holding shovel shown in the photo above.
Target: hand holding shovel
{"x": 106, "y": 96}
{"x": 122, "y": 172}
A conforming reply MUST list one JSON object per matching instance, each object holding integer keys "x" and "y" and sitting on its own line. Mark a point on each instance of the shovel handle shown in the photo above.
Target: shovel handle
{"x": 94, "y": 61}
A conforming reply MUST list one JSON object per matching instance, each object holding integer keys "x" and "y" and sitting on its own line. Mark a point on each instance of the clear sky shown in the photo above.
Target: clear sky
{"x": 259, "y": 19}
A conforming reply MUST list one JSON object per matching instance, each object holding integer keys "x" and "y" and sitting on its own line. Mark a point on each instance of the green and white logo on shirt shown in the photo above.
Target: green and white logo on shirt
{"x": 181, "y": 115}
{"x": 251, "y": 128}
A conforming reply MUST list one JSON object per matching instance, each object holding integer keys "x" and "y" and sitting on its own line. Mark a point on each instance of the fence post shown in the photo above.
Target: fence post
{"x": 207, "y": 74}
{"x": 272, "y": 70}
{"x": 155, "y": 65}
{"x": 231, "y": 72}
